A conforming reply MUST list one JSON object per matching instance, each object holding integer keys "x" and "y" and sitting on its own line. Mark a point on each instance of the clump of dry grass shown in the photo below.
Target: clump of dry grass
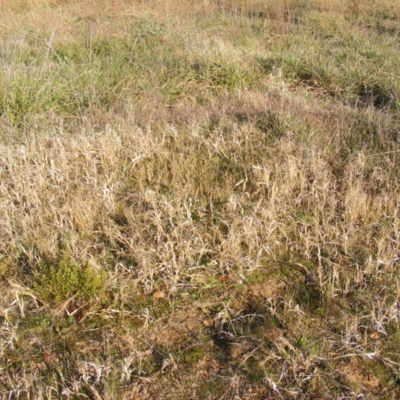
{"x": 203, "y": 194}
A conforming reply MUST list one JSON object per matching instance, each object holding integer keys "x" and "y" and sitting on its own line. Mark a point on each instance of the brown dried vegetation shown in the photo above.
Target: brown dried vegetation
{"x": 199, "y": 199}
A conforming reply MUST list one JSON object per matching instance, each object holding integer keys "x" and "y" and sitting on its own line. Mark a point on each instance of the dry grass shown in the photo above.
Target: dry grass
{"x": 199, "y": 199}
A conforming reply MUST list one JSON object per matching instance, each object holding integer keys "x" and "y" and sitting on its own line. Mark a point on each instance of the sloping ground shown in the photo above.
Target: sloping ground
{"x": 199, "y": 200}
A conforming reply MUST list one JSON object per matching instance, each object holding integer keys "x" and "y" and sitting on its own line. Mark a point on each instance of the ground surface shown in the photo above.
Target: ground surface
{"x": 199, "y": 199}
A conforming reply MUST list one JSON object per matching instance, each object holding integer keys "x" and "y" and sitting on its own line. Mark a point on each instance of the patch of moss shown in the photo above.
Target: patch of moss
{"x": 211, "y": 389}
{"x": 5, "y": 264}
{"x": 193, "y": 355}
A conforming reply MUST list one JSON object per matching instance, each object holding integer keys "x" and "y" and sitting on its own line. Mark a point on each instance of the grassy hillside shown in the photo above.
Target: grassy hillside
{"x": 199, "y": 199}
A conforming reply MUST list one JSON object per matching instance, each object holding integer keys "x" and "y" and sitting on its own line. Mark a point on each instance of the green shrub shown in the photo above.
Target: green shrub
{"x": 67, "y": 279}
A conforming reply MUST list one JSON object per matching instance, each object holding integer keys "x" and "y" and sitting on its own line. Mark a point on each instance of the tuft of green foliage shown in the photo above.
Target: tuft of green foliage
{"x": 66, "y": 279}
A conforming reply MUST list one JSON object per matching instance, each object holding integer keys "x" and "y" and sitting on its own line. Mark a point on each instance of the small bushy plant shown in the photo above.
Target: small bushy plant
{"x": 67, "y": 279}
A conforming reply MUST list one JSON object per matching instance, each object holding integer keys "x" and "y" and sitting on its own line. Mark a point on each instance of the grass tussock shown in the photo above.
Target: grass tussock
{"x": 199, "y": 199}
